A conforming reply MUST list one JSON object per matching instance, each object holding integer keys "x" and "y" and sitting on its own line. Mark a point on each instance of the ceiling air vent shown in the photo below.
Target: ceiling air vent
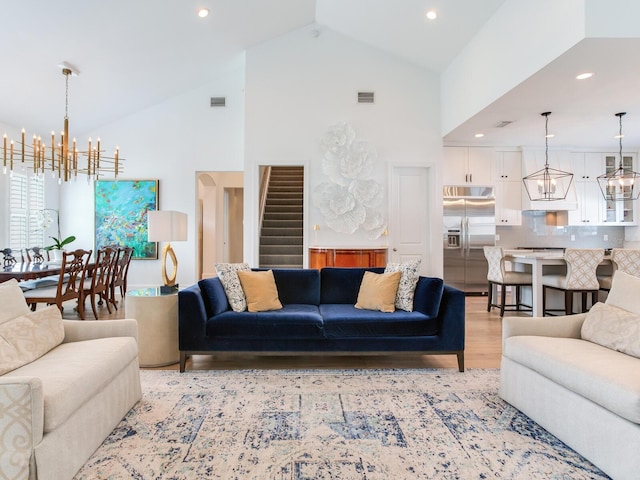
{"x": 365, "y": 97}
{"x": 218, "y": 101}
{"x": 503, "y": 123}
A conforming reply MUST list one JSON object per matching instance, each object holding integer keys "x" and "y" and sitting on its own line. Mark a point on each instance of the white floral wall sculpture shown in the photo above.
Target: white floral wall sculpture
{"x": 350, "y": 199}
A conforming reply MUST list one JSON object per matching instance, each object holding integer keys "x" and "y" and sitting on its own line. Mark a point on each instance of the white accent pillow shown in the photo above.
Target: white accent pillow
{"x": 408, "y": 280}
{"x": 614, "y": 328}
{"x": 624, "y": 288}
{"x": 28, "y": 337}
{"x": 12, "y": 301}
{"x": 228, "y": 275}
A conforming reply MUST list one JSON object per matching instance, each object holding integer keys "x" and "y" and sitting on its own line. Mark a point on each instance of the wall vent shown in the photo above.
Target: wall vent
{"x": 218, "y": 101}
{"x": 365, "y": 97}
{"x": 503, "y": 123}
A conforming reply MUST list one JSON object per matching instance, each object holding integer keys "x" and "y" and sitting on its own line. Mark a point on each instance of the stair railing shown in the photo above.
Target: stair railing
{"x": 264, "y": 190}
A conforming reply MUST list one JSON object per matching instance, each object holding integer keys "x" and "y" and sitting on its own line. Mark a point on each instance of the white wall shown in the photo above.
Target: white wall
{"x": 170, "y": 142}
{"x": 517, "y": 41}
{"x": 300, "y": 84}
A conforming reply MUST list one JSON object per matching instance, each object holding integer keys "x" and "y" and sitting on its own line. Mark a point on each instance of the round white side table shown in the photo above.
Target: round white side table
{"x": 157, "y": 316}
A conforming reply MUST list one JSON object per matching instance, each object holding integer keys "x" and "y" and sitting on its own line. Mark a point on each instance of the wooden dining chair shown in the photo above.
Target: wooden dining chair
{"x": 498, "y": 275}
{"x": 119, "y": 274}
{"x": 580, "y": 278}
{"x": 98, "y": 283}
{"x": 69, "y": 286}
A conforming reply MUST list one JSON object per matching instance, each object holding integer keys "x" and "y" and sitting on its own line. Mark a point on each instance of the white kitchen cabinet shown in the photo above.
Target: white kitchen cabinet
{"x": 467, "y": 166}
{"x": 623, "y": 212}
{"x": 590, "y": 203}
{"x": 508, "y": 182}
{"x": 586, "y": 166}
{"x": 508, "y": 203}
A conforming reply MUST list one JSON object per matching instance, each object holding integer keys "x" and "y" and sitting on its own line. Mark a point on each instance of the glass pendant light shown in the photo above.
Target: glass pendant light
{"x": 548, "y": 184}
{"x": 622, "y": 183}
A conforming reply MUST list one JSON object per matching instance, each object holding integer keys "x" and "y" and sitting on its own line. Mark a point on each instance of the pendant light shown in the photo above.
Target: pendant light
{"x": 548, "y": 184}
{"x": 622, "y": 183}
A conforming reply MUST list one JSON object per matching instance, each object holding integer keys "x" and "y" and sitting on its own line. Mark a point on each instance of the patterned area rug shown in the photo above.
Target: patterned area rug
{"x": 329, "y": 424}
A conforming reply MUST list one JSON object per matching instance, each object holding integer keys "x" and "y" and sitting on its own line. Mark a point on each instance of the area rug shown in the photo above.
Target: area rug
{"x": 329, "y": 424}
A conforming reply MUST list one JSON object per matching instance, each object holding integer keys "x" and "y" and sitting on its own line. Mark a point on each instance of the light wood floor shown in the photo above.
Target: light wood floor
{"x": 483, "y": 348}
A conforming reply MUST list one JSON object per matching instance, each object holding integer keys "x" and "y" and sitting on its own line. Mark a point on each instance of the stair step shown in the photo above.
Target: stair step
{"x": 282, "y": 240}
{"x": 286, "y": 208}
{"x": 281, "y": 259}
{"x": 286, "y": 226}
{"x": 281, "y": 250}
{"x": 297, "y": 216}
{"x": 279, "y": 231}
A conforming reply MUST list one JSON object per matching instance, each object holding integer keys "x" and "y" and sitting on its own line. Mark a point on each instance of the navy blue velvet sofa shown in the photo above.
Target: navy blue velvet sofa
{"x": 318, "y": 315}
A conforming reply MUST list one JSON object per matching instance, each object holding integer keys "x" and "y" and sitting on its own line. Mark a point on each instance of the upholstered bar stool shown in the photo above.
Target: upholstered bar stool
{"x": 625, "y": 259}
{"x": 498, "y": 275}
{"x": 580, "y": 278}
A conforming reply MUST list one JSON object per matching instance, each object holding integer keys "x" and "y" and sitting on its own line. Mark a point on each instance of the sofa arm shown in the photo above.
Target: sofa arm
{"x": 21, "y": 425}
{"x": 192, "y": 318}
{"x": 451, "y": 317}
{"x": 566, "y": 326}
{"x": 75, "y": 331}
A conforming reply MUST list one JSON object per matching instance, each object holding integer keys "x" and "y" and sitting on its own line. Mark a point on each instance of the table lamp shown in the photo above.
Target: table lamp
{"x": 167, "y": 226}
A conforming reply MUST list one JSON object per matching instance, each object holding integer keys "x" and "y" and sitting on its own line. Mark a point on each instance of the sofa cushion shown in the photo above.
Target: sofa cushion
{"x": 12, "y": 301}
{"x": 428, "y": 296}
{"x": 341, "y": 320}
{"x": 298, "y": 286}
{"x": 69, "y": 375}
{"x": 341, "y": 285}
{"x": 228, "y": 274}
{"x": 214, "y": 296}
{"x": 606, "y": 377}
{"x": 613, "y": 327}
{"x": 260, "y": 291}
{"x": 624, "y": 288}
{"x": 378, "y": 291}
{"x": 406, "y": 289}
{"x": 292, "y": 321}
{"x": 27, "y": 337}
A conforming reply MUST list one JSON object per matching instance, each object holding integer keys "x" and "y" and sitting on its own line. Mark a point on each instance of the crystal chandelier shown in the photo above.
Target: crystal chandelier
{"x": 60, "y": 158}
{"x": 548, "y": 184}
{"x": 619, "y": 184}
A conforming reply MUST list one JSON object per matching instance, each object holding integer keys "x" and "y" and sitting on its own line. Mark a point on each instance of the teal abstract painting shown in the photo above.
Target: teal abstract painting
{"x": 121, "y": 215}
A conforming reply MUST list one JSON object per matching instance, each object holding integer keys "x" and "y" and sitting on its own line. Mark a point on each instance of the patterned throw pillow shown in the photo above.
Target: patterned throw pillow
{"x": 28, "y": 337}
{"x": 614, "y": 328}
{"x": 408, "y": 281}
{"x": 228, "y": 275}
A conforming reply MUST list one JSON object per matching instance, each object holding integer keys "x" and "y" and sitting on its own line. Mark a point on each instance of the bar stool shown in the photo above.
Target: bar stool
{"x": 498, "y": 275}
{"x": 625, "y": 259}
{"x": 580, "y": 278}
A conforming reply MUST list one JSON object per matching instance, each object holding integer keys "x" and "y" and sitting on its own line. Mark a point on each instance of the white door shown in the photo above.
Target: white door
{"x": 409, "y": 222}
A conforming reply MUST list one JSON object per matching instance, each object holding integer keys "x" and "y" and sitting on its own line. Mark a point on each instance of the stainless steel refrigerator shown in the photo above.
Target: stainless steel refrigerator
{"x": 469, "y": 225}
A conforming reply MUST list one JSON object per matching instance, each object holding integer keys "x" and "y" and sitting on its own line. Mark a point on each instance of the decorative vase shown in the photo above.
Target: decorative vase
{"x": 55, "y": 256}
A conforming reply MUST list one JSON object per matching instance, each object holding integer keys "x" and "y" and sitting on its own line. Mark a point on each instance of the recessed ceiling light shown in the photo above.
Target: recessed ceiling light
{"x": 584, "y": 76}
{"x": 479, "y": 135}
{"x": 203, "y": 12}
{"x": 432, "y": 14}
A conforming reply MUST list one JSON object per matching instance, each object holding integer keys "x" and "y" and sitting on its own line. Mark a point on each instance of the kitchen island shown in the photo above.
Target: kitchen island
{"x": 539, "y": 263}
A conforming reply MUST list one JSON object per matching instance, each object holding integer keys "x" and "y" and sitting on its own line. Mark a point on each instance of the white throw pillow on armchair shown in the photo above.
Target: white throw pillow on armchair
{"x": 12, "y": 301}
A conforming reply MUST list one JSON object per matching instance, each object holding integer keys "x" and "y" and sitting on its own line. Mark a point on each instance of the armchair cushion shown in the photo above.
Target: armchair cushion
{"x": 624, "y": 288}
{"x": 12, "y": 301}
{"x": 28, "y": 337}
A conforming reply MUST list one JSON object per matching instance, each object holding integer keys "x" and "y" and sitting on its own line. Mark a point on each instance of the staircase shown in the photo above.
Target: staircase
{"x": 281, "y": 233}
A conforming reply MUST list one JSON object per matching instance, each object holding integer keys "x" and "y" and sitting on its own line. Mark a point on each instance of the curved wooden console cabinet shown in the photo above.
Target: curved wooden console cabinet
{"x": 320, "y": 257}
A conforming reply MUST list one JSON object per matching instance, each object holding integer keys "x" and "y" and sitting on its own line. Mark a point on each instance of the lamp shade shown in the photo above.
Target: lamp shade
{"x": 166, "y": 226}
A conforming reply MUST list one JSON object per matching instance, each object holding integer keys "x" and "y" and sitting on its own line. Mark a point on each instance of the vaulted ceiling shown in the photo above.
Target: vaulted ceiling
{"x": 133, "y": 54}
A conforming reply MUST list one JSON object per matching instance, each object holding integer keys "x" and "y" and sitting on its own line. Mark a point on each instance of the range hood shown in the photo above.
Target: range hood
{"x": 570, "y": 203}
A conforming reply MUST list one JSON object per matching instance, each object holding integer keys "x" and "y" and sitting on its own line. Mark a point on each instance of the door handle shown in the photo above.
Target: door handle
{"x": 395, "y": 249}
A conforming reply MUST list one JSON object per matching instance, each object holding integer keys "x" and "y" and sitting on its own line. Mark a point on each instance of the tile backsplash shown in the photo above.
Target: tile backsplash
{"x": 535, "y": 233}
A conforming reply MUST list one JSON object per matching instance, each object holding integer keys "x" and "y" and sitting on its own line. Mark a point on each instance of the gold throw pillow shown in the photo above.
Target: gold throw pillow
{"x": 260, "y": 290}
{"x": 378, "y": 291}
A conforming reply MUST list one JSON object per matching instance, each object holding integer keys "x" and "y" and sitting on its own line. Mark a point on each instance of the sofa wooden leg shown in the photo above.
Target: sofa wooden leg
{"x": 183, "y": 361}
{"x": 460, "y": 356}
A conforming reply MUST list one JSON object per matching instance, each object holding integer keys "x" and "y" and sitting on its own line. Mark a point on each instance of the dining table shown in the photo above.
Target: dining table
{"x": 33, "y": 270}
{"x": 539, "y": 262}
